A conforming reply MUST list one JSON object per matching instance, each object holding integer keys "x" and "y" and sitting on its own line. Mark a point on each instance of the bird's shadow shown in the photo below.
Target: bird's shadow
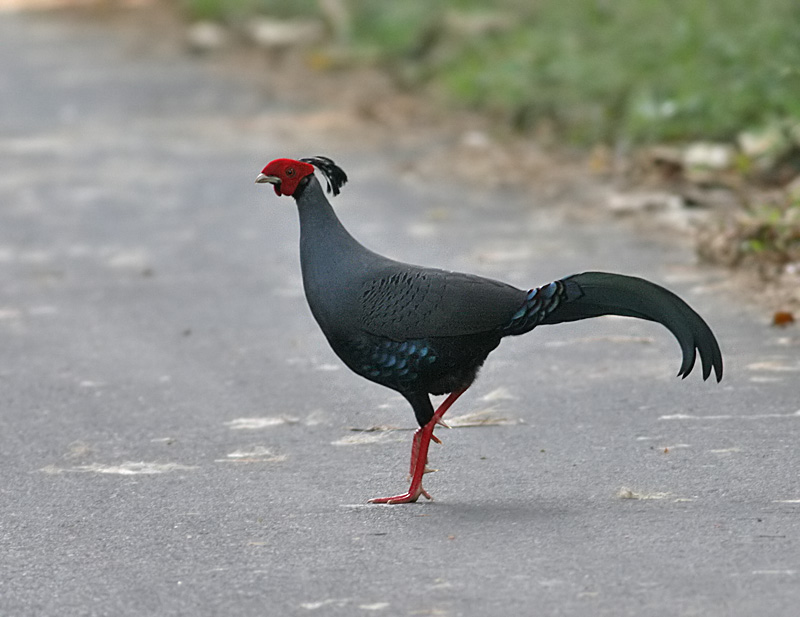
{"x": 496, "y": 510}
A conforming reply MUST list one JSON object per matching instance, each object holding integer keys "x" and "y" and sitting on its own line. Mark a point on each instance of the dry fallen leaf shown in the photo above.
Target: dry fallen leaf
{"x": 626, "y": 493}
{"x": 782, "y": 318}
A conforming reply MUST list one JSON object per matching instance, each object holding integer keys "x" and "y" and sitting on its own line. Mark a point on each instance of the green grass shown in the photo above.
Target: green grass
{"x": 594, "y": 70}
{"x": 232, "y": 10}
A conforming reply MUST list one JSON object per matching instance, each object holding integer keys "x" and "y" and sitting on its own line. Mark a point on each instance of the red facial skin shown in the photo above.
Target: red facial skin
{"x": 289, "y": 173}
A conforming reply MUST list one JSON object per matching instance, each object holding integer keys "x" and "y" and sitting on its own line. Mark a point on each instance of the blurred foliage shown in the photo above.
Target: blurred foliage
{"x": 588, "y": 70}
{"x": 233, "y": 10}
{"x": 773, "y": 232}
{"x": 764, "y": 236}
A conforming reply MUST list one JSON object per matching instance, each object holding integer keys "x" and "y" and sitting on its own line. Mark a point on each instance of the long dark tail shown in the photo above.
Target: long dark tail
{"x": 592, "y": 294}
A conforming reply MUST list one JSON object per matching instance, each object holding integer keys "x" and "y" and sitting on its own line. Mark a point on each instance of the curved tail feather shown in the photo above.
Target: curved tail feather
{"x": 592, "y": 294}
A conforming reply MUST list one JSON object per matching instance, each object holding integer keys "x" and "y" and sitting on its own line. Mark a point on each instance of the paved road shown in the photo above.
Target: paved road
{"x": 175, "y": 434}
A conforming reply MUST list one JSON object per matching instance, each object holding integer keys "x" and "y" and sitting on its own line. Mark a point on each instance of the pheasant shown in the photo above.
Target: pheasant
{"x": 423, "y": 331}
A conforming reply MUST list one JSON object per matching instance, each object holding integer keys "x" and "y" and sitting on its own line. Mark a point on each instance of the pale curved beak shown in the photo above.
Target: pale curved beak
{"x": 265, "y": 178}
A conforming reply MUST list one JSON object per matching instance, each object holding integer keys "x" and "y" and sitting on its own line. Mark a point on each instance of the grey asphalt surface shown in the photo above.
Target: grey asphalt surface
{"x": 176, "y": 435}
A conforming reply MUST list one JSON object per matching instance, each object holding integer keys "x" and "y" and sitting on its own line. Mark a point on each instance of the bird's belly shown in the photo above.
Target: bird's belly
{"x": 436, "y": 366}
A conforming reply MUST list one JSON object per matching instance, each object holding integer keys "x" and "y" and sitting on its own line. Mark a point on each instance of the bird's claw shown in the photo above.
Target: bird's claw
{"x": 408, "y": 497}
{"x": 410, "y": 476}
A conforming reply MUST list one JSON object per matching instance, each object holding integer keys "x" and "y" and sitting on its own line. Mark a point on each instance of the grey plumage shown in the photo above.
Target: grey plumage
{"x": 424, "y": 331}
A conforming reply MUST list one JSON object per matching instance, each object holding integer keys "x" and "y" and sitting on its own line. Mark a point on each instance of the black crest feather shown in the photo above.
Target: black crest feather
{"x": 334, "y": 175}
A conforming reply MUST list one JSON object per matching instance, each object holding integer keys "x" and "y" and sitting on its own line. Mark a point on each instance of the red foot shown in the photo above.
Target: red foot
{"x": 408, "y": 497}
{"x": 419, "y": 455}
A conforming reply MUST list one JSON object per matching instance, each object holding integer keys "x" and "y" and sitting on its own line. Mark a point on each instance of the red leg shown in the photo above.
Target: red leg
{"x": 419, "y": 455}
{"x": 415, "y": 443}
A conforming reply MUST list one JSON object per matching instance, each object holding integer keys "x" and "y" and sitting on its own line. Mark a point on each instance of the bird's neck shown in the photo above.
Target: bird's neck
{"x": 322, "y": 235}
{"x": 320, "y": 228}
{"x": 329, "y": 255}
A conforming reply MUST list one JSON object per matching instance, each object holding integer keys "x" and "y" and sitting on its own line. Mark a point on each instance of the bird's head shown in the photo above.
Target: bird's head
{"x": 287, "y": 175}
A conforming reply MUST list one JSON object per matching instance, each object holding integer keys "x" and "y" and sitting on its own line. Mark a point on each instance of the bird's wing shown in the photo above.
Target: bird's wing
{"x": 402, "y": 302}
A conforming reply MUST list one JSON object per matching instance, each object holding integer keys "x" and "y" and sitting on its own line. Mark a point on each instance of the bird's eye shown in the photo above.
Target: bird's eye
{"x": 290, "y": 171}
